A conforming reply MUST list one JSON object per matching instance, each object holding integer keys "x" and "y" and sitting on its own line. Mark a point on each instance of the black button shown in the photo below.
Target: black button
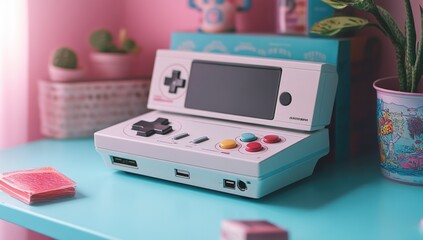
{"x": 146, "y": 129}
{"x": 175, "y": 81}
{"x": 285, "y": 98}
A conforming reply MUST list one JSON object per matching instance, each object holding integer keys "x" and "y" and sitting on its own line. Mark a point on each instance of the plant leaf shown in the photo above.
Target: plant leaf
{"x": 418, "y": 66}
{"x": 334, "y": 25}
{"x": 410, "y": 44}
{"x": 391, "y": 29}
{"x": 388, "y": 23}
{"x": 365, "y": 5}
{"x": 336, "y": 4}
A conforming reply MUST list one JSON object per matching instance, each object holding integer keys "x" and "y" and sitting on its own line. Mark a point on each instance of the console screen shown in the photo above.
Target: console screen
{"x": 239, "y": 89}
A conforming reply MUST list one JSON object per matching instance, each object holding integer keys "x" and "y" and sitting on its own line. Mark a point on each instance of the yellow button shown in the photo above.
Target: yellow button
{"x": 228, "y": 144}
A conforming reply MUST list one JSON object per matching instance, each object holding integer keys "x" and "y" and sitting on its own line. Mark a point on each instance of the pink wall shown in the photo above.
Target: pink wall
{"x": 54, "y": 24}
{"x": 13, "y": 73}
{"x": 153, "y": 26}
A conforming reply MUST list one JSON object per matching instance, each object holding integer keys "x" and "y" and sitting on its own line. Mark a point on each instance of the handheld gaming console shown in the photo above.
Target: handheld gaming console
{"x": 241, "y": 125}
{"x": 286, "y": 94}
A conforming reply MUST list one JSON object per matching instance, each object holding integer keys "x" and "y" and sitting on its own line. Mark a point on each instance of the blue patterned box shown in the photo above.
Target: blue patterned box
{"x": 333, "y": 51}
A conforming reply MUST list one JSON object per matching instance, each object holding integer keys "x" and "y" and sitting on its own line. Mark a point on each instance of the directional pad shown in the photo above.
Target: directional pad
{"x": 146, "y": 129}
{"x": 175, "y": 81}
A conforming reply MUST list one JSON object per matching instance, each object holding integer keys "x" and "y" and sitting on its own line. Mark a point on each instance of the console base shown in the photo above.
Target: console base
{"x": 179, "y": 156}
{"x": 214, "y": 179}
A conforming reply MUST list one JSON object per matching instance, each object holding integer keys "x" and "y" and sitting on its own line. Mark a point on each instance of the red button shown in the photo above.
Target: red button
{"x": 253, "y": 147}
{"x": 271, "y": 139}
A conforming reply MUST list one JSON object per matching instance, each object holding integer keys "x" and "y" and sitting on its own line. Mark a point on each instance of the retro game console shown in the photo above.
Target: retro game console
{"x": 241, "y": 125}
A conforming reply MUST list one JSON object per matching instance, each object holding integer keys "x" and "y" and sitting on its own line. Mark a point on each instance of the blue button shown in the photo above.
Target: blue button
{"x": 248, "y": 137}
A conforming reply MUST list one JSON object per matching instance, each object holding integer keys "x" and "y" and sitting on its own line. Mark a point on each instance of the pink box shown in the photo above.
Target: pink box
{"x": 78, "y": 109}
{"x": 251, "y": 230}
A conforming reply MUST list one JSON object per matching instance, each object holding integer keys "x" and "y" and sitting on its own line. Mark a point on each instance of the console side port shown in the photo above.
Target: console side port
{"x": 229, "y": 184}
{"x": 181, "y": 173}
{"x": 125, "y": 162}
{"x": 241, "y": 185}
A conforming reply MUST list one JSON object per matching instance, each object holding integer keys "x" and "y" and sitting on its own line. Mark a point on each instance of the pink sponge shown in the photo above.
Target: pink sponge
{"x": 37, "y": 185}
{"x": 251, "y": 230}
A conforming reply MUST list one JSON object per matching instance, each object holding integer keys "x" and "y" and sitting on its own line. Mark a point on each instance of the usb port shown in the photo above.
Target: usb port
{"x": 181, "y": 173}
{"x": 229, "y": 184}
{"x": 125, "y": 162}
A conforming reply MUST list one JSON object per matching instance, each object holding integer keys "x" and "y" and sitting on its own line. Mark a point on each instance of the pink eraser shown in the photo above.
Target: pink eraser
{"x": 37, "y": 185}
{"x": 251, "y": 230}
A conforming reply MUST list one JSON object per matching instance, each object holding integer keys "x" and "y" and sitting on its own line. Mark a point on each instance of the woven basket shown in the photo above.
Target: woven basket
{"x": 78, "y": 109}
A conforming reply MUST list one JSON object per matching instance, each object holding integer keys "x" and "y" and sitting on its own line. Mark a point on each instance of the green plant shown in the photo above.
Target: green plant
{"x": 409, "y": 50}
{"x": 65, "y": 58}
{"x": 102, "y": 41}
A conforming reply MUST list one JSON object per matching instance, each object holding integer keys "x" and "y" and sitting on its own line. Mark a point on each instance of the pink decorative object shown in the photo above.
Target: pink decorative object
{"x": 219, "y": 15}
{"x": 37, "y": 185}
{"x": 78, "y": 109}
{"x": 64, "y": 75}
{"x": 251, "y": 230}
{"x": 111, "y": 65}
{"x": 292, "y": 16}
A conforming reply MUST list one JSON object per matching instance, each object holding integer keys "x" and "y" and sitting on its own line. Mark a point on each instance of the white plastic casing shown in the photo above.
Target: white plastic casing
{"x": 300, "y": 126}
{"x": 312, "y": 87}
{"x": 274, "y": 166}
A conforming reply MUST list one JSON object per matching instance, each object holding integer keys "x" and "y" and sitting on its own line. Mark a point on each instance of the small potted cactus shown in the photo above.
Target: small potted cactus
{"x": 110, "y": 61}
{"x": 64, "y": 66}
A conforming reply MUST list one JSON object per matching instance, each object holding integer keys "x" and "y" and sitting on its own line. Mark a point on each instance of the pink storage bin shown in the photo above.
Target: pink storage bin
{"x": 78, "y": 109}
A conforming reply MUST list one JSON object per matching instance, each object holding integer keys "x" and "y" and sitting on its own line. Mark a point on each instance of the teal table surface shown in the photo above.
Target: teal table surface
{"x": 341, "y": 200}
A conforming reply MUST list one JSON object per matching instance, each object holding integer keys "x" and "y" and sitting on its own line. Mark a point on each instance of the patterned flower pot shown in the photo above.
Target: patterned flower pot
{"x": 400, "y": 131}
